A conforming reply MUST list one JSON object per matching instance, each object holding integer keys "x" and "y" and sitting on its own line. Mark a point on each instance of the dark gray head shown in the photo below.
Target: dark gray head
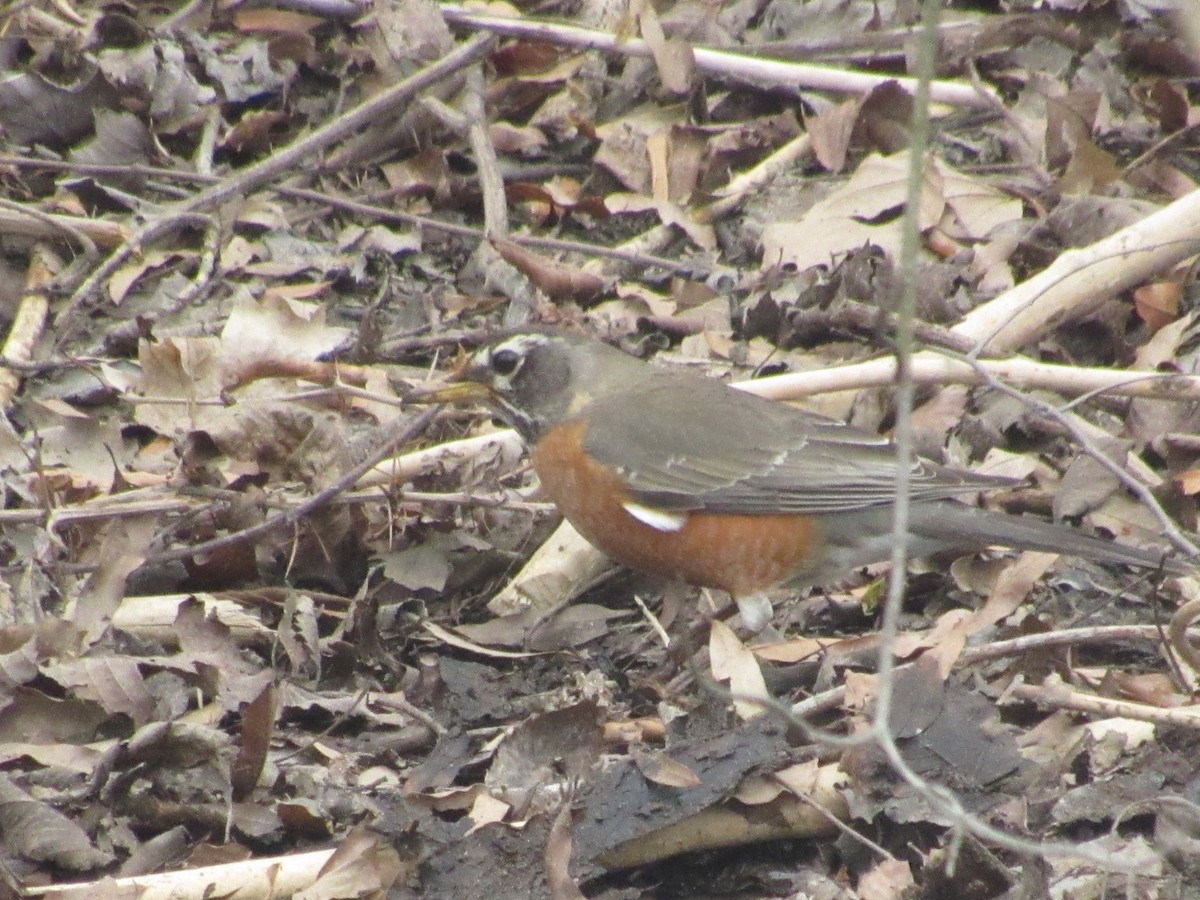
{"x": 534, "y": 379}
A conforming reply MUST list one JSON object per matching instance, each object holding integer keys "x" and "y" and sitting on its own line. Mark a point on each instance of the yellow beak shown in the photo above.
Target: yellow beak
{"x": 452, "y": 392}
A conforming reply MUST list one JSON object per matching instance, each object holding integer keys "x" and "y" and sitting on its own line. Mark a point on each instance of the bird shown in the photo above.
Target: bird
{"x": 678, "y": 474}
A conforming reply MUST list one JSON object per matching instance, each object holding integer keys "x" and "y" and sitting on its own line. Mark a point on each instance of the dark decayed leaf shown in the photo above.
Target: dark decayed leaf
{"x": 37, "y": 832}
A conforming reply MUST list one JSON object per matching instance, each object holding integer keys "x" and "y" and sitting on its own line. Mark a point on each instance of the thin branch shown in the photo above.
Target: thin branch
{"x": 931, "y": 367}
{"x": 29, "y": 322}
{"x": 1079, "y": 280}
{"x": 755, "y": 70}
{"x": 16, "y": 218}
{"x": 109, "y": 235}
{"x": 829, "y": 700}
{"x": 1056, "y": 695}
{"x": 290, "y": 516}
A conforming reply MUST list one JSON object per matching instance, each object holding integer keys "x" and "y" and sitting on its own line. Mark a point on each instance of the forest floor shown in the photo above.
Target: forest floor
{"x": 266, "y": 626}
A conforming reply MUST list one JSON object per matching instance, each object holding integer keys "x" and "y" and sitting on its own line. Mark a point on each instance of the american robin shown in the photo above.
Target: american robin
{"x": 679, "y": 474}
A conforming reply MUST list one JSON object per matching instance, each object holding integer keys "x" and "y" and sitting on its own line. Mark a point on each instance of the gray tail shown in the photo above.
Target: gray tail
{"x": 962, "y": 525}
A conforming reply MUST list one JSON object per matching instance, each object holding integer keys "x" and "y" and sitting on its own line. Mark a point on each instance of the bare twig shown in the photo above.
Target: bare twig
{"x": 135, "y": 505}
{"x": 1081, "y": 279}
{"x": 56, "y": 224}
{"x": 498, "y": 273}
{"x": 15, "y": 218}
{"x": 1181, "y": 644}
{"x": 829, "y": 700}
{"x": 113, "y": 235}
{"x": 286, "y": 875}
{"x": 30, "y": 319}
{"x": 1018, "y": 372}
{"x": 206, "y": 266}
{"x": 290, "y": 516}
{"x": 491, "y": 182}
{"x": 1081, "y": 434}
{"x": 1056, "y": 695}
{"x": 721, "y": 63}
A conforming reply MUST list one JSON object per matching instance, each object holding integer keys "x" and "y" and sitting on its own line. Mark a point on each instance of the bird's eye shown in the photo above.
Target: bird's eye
{"x": 505, "y": 362}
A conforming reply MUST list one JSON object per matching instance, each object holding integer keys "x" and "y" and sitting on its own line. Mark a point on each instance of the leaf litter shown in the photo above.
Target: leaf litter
{"x": 386, "y": 659}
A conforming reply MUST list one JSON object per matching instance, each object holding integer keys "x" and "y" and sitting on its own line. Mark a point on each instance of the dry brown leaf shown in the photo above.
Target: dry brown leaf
{"x": 1158, "y": 304}
{"x": 1164, "y": 102}
{"x": 274, "y": 330}
{"x": 674, "y": 58}
{"x": 792, "y": 651}
{"x": 487, "y": 810}
{"x": 703, "y": 235}
{"x": 657, "y": 766}
{"x": 35, "y": 831}
{"x": 1010, "y": 590}
{"x": 258, "y": 727}
{"x": 1162, "y": 350}
{"x": 114, "y": 682}
{"x": 888, "y": 879}
{"x": 1090, "y": 170}
{"x": 520, "y": 140}
{"x": 559, "y": 281}
{"x": 557, "y": 858}
{"x": 525, "y": 58}
{"x": 755, "y": 790}
{"x": 255, "y": 132}
{"x": 403, "y": 35}
{"x": 273, "y": 21}
{"x": 831, "y": 131}
{"x": 867, "y": 208}
{"x": 364, "y": 865}
{"x": 623, "y": 148}
{"x": 852, "y": 216}
{"x": 1188, "y": 481}
{"x": 124, "y": 545}
{"x": 731, "y": 662}
{"x": 123, "y": 280}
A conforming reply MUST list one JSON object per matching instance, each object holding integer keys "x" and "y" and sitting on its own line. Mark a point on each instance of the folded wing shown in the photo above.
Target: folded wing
{"x": 755, "y": 456}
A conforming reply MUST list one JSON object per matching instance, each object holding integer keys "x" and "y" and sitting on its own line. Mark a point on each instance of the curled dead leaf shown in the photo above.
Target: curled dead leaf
{"x": 559, "y": 281}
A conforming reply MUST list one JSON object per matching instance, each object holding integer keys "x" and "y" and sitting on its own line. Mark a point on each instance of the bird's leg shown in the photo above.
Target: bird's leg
{"x": 755, "y": 611}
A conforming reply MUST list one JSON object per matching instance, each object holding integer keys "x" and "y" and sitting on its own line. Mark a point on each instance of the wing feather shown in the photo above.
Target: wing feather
{"x": 754, "y": 456}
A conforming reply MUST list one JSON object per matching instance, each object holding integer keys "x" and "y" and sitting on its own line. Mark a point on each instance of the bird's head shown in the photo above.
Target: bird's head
{"x": 534, "y": 379}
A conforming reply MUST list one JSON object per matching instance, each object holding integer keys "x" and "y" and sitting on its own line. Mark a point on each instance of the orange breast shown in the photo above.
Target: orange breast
{"x": 741, "y": 554}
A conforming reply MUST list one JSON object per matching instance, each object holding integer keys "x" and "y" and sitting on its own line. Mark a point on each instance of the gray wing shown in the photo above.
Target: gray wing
{"x": 683, "y": 446}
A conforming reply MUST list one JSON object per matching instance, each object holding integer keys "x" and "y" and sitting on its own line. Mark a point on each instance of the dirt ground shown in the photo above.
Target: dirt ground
{"x": 269, "y": 628}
